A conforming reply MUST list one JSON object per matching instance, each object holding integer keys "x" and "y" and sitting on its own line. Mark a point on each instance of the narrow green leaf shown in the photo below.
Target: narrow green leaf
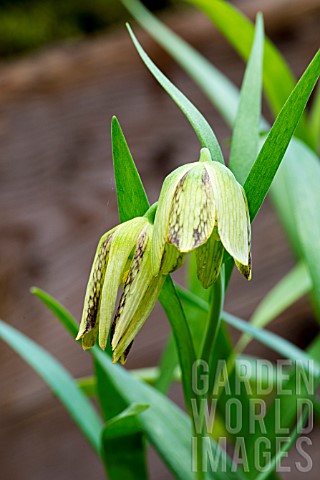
{"x": 126, "y": 422}
{"x": 266, "y": 165}
{"x": 58, "y": 310}
{"x": 218, "y": 88}
{"x": 245, "y": 136}
{"x": 303, "y": 188}
{"x": 314, "y": 121}
{"x": 132, "y": 198}
{"x": 123, "y": 445}
{"x": 200, "y": 125}
{"x": 60, "y": 382}
{"x": 278, "y": 79}
{"x": 271, "y": 340}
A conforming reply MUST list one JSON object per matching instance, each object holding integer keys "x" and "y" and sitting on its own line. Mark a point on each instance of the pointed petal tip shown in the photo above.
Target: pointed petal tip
{"x": 123, "y": 359}
{"x": 103, "y": 344}
{"x": 86, "y": 347}
{"x": 245, "y": 270}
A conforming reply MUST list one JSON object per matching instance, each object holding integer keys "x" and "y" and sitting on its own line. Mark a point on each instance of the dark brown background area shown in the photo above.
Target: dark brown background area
{"x": 57, "y": 197}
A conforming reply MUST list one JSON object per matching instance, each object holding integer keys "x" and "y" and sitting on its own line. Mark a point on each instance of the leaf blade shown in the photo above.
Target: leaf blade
{"x": 200, "y": 125}
{"x": 131, "y": 196}
{"x": 272, "y": 152}
{"x": 60, "y": 382}
{"x": 245, "y": 136}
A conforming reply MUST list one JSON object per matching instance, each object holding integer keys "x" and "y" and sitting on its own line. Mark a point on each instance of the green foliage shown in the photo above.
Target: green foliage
{"x": 245, "y": 136}
{"x": 132, "y": 404}
{"x": 59, "y": 380}
{"x": 200, "y": 125}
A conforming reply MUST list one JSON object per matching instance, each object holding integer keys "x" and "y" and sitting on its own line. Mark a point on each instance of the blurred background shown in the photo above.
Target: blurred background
{"x": 66, "y": 68}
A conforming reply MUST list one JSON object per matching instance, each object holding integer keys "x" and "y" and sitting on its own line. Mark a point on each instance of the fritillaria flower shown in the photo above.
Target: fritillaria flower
{"x": 202, "y": 207}
{"x": 123, "y": 256}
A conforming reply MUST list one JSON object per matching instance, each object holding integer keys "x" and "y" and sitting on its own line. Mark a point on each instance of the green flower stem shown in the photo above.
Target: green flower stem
{"x": 214, "y": 318}
{"x": 199, "y": 474}
{"x": 216, "y": 305}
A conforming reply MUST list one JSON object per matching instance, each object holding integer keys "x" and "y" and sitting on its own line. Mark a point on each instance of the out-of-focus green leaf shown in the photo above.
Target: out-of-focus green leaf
{"x": 273, "y": 341}
{"x": 290, "y": 289}
{"x": 123, "y": 445}
{"x": 245, "y": 136}
{"x": 285, "y": 405}
{"x": 270, "y": 467}
{"x": 218, "y": 88}
{"x": 303, "y": 188}
{"x": 278, "y": 79}
{"x": 270, "y": 339}
{"x": 60, "y": 382}
{"x": 266, "y": 165}
{"x": 200, "y": 125}
{"x": 88, "y": 385}
{"x": 132, "y": 198}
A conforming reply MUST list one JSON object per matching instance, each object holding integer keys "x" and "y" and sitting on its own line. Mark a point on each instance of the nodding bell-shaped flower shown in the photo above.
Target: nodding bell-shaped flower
{"x": 122, "y": 256}
{"x": 202, "y": 207}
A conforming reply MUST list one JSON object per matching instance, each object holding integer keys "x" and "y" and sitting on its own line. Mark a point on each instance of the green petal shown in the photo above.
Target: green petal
{"x": 232, "y": 212}
{"x": 246, "y": 269}
{"x": 172, "y": 259}
{"x": 192, "y": 214}
{"x": 137, "y": 282}
{"x": 90, "y": 314}
{"x": 161, "y": 221}
{"x": 147, "y": 302}
{"x": 209, "y": 259}
{"x": 123, "y": 242}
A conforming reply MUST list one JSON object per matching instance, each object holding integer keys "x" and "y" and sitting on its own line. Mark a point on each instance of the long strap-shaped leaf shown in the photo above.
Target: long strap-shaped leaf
{"x": 59, "y": 380}
{"x": 270, "y": 339}
{"x": 303, "y": 189}
{"x": 278, "y": 79}
{"x": 200, "y": 125}
{"x": 245, "y": 136}
{"x": 218, "y": 88}
{"x": 277, "y": 141}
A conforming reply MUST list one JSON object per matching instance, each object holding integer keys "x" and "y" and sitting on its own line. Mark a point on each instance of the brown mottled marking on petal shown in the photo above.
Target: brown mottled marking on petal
{"x": 125, "y": 354}
{"x": 203, "y": 217}
{"x": 175, "y": 213}
{"x": 98, "y": 275}
{"x": 134, "y": 269}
